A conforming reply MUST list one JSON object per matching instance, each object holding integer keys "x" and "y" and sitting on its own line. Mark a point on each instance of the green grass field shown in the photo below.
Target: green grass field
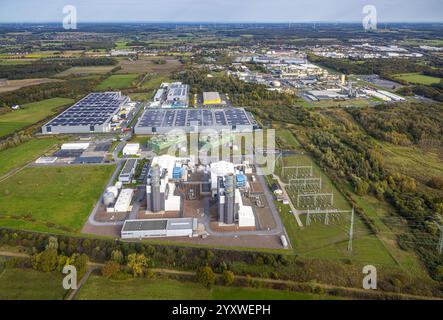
{"x": 18, "y": 156}
{"x": 417, "y": 78}
{"x": 286, "y": 138}
{"x": 85, "y": 70}
{"x": 60, "y": 198}
{"x": 28, "y": 284}
{"x": 161, "y": 289}
{"x": 414, "y": 162}
{"x": 117, "y": 81}
{"x": 30, "y": 113}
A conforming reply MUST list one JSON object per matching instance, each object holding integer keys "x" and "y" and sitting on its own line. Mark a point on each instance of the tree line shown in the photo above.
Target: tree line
{"x": 49, "y": 67}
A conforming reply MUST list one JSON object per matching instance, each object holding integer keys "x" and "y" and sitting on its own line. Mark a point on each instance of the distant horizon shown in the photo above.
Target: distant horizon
{"x": 221, "y": 11}
{"x": 223, "y": 22}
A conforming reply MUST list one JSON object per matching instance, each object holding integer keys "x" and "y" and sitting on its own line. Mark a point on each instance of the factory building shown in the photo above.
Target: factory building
{"x": 172, "y": 95}
{"x": 161, "y": 121}
{"x": 131, "y": 149}
{"x": 139, "y": 229}
{"x": 211, "y": 98}
{"x": 160, "y": 189}
{"x": 230, "y": 207}
{"x": 92, "y": 114}
{"x": 123, "y": 203}
{"x": 128, "y": 171}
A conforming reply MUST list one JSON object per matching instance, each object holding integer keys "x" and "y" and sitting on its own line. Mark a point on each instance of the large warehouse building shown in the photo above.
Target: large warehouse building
{"x": 92, "y": 114}
{"x": 161, "y": 121}
{"x": 139, "y": 229}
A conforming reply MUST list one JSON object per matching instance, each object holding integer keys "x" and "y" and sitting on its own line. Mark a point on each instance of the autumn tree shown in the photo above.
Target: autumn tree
{"x": 206, "y": 276}
{"x": 138, "y": 263}
{"x": 110, "y": 269}
{"x": 228, "y": 277}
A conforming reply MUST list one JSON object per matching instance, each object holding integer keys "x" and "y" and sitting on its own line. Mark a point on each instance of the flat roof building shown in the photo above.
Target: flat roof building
{"x": 180, "y": 227}
{"x": 92, "y": 114}
{"x": 161, "y": 121}
{"x": 211, "y": 98}
{"x": 128, "y": 171}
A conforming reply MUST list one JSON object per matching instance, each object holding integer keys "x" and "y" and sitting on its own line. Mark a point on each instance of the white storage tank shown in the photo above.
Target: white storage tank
{"x": 112, "y": 190}
{"x": 284, "y": 242}
{"x": 108, "y": 198}
{"x": 119, "y": 185}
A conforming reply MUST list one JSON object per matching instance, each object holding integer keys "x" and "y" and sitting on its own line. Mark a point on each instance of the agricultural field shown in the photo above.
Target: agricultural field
{"x": 417, "y": 78}
{"x": 29, "y": 284}
{"x": 160, "y": 289}
{"x": 17, "y": 84}
{"x": 16, "y": 61}
{"x": 161, "y": 65}
{"x": 58, "y": 197}
{"x": 117, "y": 81}
{"x": 83, "y": 71}
{"x": 16, "y": 157}
{"x": 29, "y": 114}
{"x": 149, "y": 86}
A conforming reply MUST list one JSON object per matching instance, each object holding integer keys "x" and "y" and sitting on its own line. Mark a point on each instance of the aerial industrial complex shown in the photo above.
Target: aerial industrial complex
{"x": 153, "y": 194}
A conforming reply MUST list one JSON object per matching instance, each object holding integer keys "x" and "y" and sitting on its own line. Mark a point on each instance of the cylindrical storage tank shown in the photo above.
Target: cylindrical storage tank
{"x": 113, "y": 190}
{"x": 119, "y": 185}
{"x": 284, "y": 242}
{"x": 108, "y": 198}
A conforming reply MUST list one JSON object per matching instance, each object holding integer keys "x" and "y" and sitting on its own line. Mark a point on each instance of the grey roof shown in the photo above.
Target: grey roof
{"x": 158, "y": 224}
{"x": 139, "y": 225}
{"x": 129, "y": 165}
{"x": 190, "y": 117}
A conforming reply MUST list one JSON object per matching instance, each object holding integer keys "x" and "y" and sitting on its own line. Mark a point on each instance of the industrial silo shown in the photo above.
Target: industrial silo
{"x": 108, "y": 198}
{"x": 113, "y": 190}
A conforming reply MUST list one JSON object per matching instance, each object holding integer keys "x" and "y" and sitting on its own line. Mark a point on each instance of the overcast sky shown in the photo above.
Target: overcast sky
{"x": 221, "y": 10}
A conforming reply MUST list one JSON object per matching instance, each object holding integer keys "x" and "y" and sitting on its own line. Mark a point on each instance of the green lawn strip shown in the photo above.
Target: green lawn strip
{"x": 98, "y": 287}
{"x": 417, "y": 78}
{"x": 54, "y": 196}
{"x": 30, "y": 113}
{"x": 29, "y": 284}
{"x": 18, "y": 156}
{"x": 117, "y": 81}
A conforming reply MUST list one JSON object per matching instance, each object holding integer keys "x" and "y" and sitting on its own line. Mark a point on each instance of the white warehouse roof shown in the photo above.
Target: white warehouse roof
{"x": 75, "y": 146}
{"x": 123, "y": 202}
{"x": 131, "y": 149}
{"x": 168, "y": 162}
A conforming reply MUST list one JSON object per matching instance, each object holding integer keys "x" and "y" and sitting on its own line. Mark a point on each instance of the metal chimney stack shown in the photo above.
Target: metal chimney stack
{"x": 229, "y": 199}
{"x": 155, "y": 189}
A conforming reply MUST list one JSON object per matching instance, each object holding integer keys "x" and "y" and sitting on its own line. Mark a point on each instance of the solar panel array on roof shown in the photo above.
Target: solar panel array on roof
{"x": 94, "y": 109}
{"x": 192, "y": 117}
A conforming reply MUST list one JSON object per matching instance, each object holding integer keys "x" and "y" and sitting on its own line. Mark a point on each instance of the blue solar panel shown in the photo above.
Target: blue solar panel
{"x": 190, "y": 117}
{"x": 94, "y": 109}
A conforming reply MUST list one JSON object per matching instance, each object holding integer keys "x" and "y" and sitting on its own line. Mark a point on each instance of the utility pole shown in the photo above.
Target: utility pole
{"x": 440, "y": 243}
{"x": 308, "y": 218}
{"x": 351, "y": 230}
